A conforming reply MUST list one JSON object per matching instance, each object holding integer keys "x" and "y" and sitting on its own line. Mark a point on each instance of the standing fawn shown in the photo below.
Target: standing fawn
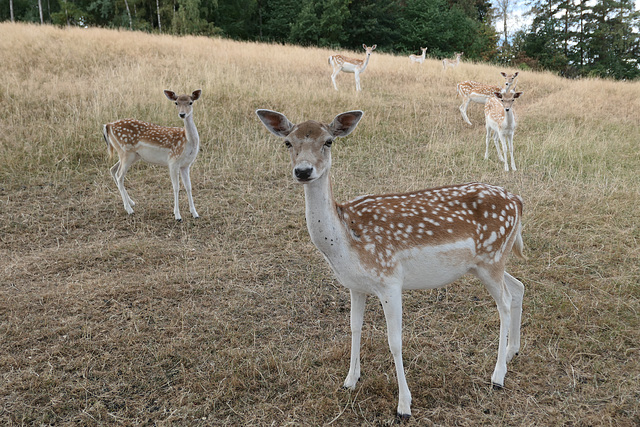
{"x": 350, "y": 65}
{"x": 381, "y": 245}
{"x": 501, "y": 121}
{"x": 451, "y": 63}
{"x": 477, "y": 92}
{"x": 174, "y": 147}
{"x": 418, "y": 59}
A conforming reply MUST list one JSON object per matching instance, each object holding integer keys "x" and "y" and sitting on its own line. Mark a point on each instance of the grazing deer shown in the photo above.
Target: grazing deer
{"x": 477, "y": 92}
{"x": 451, "y": 63}
{"x": 174, "y": 147}
{"x": 350, "y": 65}
{"x": 418, "y": 59}
{"x": 501, "y": 121}
{"x": 382, "y": 245}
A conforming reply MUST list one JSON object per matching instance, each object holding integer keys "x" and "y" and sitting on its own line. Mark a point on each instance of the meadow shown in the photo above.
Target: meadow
{"x": 235, "y": 318}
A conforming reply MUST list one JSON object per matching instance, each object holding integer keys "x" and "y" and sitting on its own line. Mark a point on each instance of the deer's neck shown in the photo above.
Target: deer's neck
{"x": 191, "y": 132}
{"x": 325, "y": 228}
{"x": 366, "y": 62}
{"x": 509, "y": 119}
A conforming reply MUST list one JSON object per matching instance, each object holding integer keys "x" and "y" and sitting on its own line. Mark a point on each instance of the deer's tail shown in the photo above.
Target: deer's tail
{"x": 105, "y": 134}
{"x": 518, "y": 245}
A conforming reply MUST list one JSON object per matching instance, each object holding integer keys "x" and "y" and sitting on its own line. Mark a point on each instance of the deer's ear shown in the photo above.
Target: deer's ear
{"x": 276, "y": 122}
{"x": 343, "y": 124}
{"x": 498, "y": 95}
{"x": 503, "y": 74}
{"x": 196, "y": 94}
{"x": 171, "y": 95}
{"x": 517, "y": 94}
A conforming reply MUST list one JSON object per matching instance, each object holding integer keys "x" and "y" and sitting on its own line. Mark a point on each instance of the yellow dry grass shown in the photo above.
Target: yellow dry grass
{"x": 236, "y": 318}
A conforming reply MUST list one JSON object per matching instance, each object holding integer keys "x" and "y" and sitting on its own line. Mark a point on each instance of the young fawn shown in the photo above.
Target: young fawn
{"x": 501, "y": 122}
{"x": 176, "y": 148}
{"x": 350, "y": 65}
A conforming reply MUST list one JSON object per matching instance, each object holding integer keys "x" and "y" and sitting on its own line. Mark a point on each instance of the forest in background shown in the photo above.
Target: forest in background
{"x": 574, "y": 38}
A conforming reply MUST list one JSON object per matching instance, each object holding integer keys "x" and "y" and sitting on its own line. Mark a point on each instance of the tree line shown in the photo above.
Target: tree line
{"x": 582, "y": 38}
{"x": 571, "y": 37}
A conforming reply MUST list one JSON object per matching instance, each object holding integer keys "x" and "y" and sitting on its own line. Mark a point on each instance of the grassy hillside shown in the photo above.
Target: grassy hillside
{"x": 235, "y": 318}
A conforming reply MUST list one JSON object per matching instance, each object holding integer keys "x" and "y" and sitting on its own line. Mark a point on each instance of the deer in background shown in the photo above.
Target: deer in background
{"x": 478, "y": 92}
{"x": 501, "y": 122}
{"x": 381, "y": 245}
{"x": 418, "y": 59}
{"x": 452, "y": 63}
{"x": 174, "y": 147}
{"x": 350, "y": 65}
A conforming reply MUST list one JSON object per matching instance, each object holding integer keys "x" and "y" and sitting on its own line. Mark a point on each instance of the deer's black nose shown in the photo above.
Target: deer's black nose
{"x": 303, "y": 173}
{"x": 182, "y": 115}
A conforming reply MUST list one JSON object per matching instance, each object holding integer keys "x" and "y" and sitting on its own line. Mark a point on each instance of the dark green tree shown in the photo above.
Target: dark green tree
{"x": 278, "y": 17}
{"x": 613, "y": 45}
{"x": 238, "y": 19}
{"x": 442, "y": 28}
{"x": 583, "y": 38}
{"x": 188, "y": 19}
{"x": 334, "y": 17}
{"x": 372, "y": 22}
{"x": 305, "y": 30}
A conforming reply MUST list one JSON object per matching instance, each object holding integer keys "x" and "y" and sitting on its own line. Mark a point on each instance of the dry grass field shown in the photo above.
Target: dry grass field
{"x": 235, "y": 318}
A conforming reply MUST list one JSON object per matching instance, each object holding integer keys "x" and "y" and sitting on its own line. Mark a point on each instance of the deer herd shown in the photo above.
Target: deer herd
{"x": 383, "y": 244}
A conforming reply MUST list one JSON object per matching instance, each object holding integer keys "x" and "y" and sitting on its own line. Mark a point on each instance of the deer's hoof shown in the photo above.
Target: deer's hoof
{"x": 402, "y": 418}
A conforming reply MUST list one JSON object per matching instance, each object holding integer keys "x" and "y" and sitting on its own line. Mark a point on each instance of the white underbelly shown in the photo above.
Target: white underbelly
{"x": 480, "y": 99}
{"x": 153, "y": 155}
{"x": 348, "y": 68}
{"x": 418, "y": 268}
{"x": 436, "y": 266}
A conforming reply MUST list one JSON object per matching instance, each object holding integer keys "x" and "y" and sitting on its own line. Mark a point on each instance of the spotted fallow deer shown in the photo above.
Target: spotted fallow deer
{"x": 350, "y": 65}
{"x": 418, "y": 59}
{"x": 383, "y": 244}
{"x": 174, "y": 147}
{"x": 501, "y": 121}
{"x": 452, "y": 63}
{"x": 478, "y": 92}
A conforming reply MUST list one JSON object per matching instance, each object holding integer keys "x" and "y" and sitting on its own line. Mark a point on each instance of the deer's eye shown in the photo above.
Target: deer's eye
{"x": 328, "y": 142}
{"x": 287, "y": 144}
{"x": 176, "y": 103}
{"x": 191, "y": 103}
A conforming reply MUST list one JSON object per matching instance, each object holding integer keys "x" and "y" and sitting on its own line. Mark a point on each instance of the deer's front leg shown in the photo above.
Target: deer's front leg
{"x": 503, "y": 143}
{"x": 333, "y": 78}
{"x": 487, "y": 137}
{"x": 392, "y": 305}
{"x": 496, "y": 142}
{"x": 174, "y": 172}
{"x": 186, "y": 180}
{"x": 358, "y": 301}
{"x": 513, "y": 162}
